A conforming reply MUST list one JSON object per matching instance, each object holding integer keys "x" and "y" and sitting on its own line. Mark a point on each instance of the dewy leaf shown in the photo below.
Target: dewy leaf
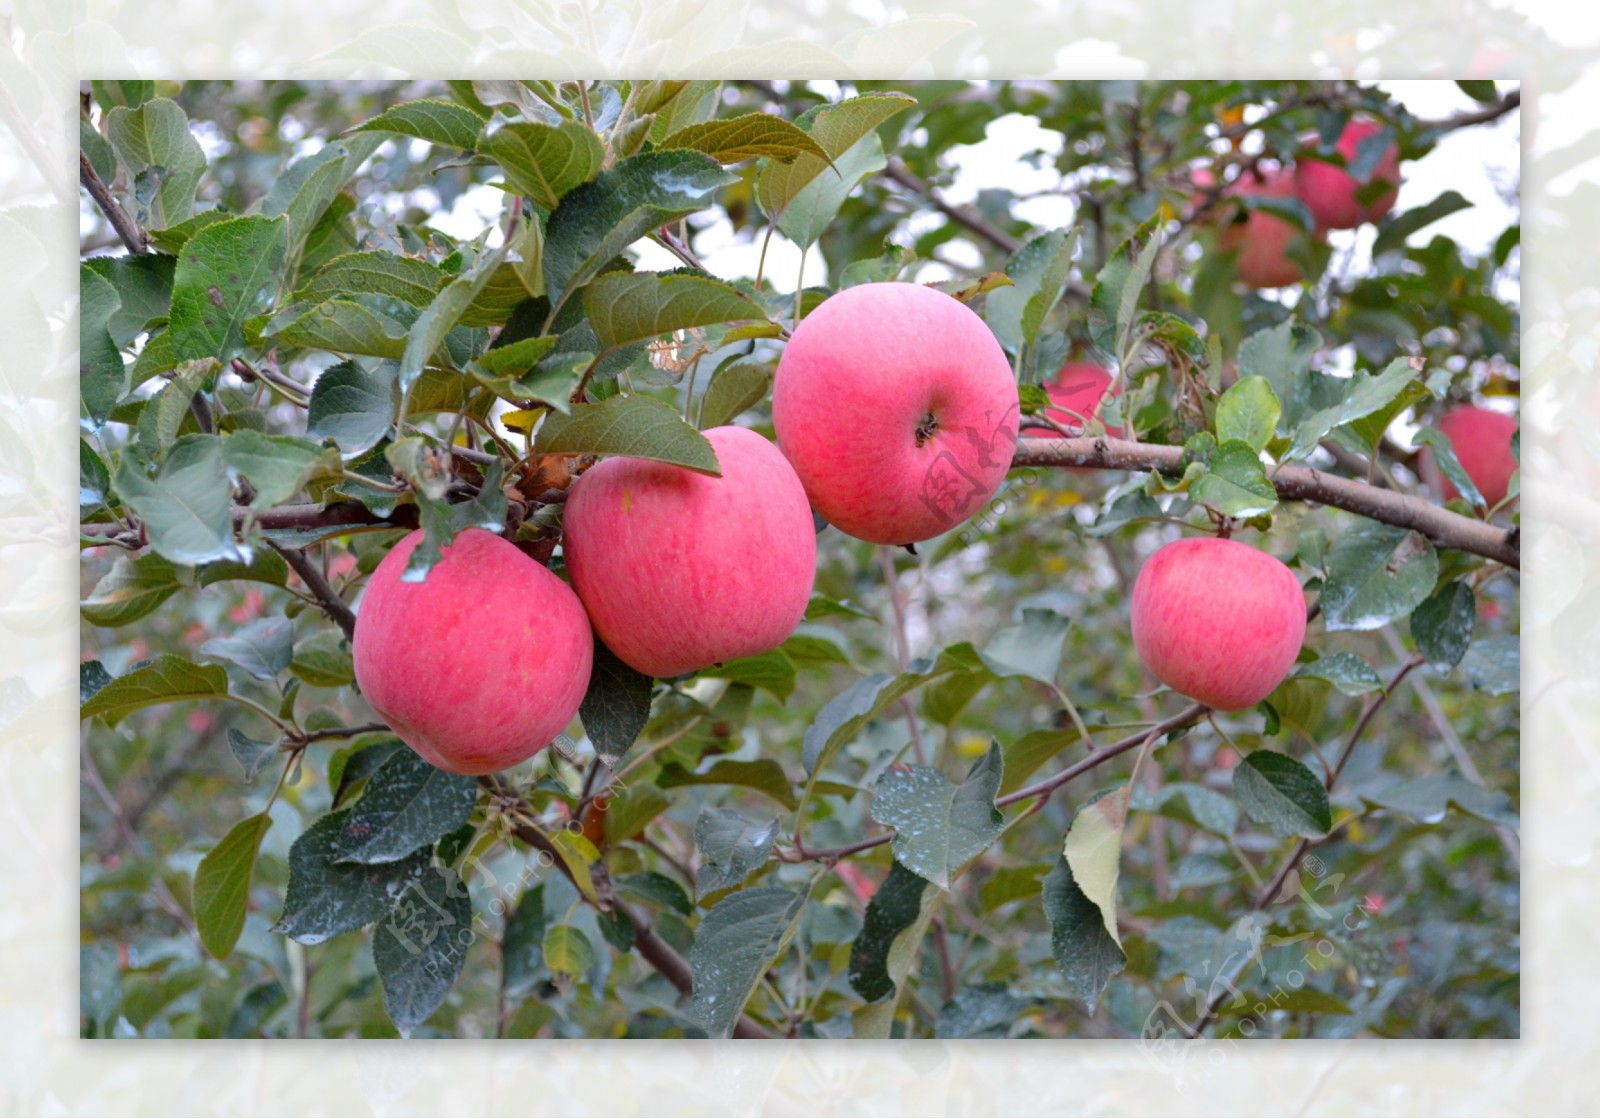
{"x": 222, "y": 885}
{"x": 734, "y": 389}
{"x": 1282, "y": 795}
{"x": 1444, "y": 457}
{"x": 1427, "y": 799}
{"x": 1441, "y": 626}
{"x": 1494, "y": 664}
{"x": 1236, "y": 485}
{"x": 598, "y": 220}
{"x": 226, "y": 273}
{"x": 635, "y": 426}
{"x": 277, "y": 466}
{"x": 940, "y": 826}
{"x": 407, "y": 805}
{"x": 1032, "y": 648}
{"x": 1248, "y": 412}
{"x": 164, "y": 680}
{"x": 130, "y": 590}
{"x": 544, "y": 161}
{"x": 522, "y": 948}
{"x": 836, "y": 128}
{"x": 156, "y": 136}
{"x": 749, "y": 136}
{"x": 731, "y": 849}
{"x": 1085, "y": 953}
{"x": 1376, "y": 573}
{"x": 421, "y": 944}
{"x": 1365, "y": 395}
{"x": 1345, "y": 671}
{"x": 625, "y": 307}
{"x": 352, "y": 405}
{"x": 437, "y": 122}
{"x": 187, "y": 508}
{"x": 616, "y": 705}
{"x": 263, "y": 648}
{"x": 326, "y": 898}
{"x": 1093, "y": 851}
{"x": 378, "y": 272}
{"x": 742, "y": 936}
{"x": 895, "y": 921}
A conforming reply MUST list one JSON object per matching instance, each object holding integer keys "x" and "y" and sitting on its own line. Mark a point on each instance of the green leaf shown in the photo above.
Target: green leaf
{"x": 522, "y": 948}
{"x": 92, "y": 676}
{"x": 1282, "y": 795}
{"x": 1428, "y": 799}
{"x": 186, "y": 508}
{"x": 343, "y": 326}
{"x": 407, "y": 805}
{"x": 1283, "y": 356}
{"x": 1444, "y": 457}
{"x": 437, "y": 122}
{"x": 252, "y": 754}
{"x": 764, "y": 775}
{"x": 514, "y": 360}
{"x": 742, "y": 936}
{"x": 1345, "y": 671}
{"x": 1032, "y": 648}
{"x": 308, "y": 187}
{"x": 1364, "y": 395}
{"x": 631, "y": 810}
{"x": 154, "y": 140}
{"x": 1010, "y": 883}
{"x": 1191, "y": 804}
{"x": 1085, "y": 953}
{"x": 144, "y": 292}
{"x": 1482, "y": 92}
{"x": 772, "y": 670}
{"x": 405, "y": 278}
{"x": 420, "y": 946}
{"x": 352, "y": 405}
{"x": 940, "y": 826}
{"x": 222, "y": 885}
{"x": 625, "y": 307}
{"x": 101, "y": 156}
{"x": 731, "y": 850}
{"x": 985, "y": 1011}
{"x": 735, "y": 389}
{"x": 750, "y": 136}
{"x": 891, "y": 932}
{"x": 843, "y": 716}
{"x": 1442, "y": 625}
{"x": 227, "y": 273}
{"x": 635, "y": 426}
{"x": 550, "y": 381}
{"x": 323, "y": 662}
{"x": 132, "y": 93}
{"x": 1494, "y": 664}
{"x": 167, "y": 679}
{"x": 1024, "y": 756}
{"x": 1248, "y": 412}
{"x": 130, "y": 590}
{"x": 103, "y": 374}
{"x": 598, "y": 220}
{"x": 264, "y": 567}
{"x": 440, "y": 317}
{"x": 262, "y": 648}
{"x": 277, "y": 466}
{"x": 543, "y": 161}
{"x": 172, "y": 239}
{"x": 1236, "y": 485}
{"x": 1394, "y": 232}
{"x": 1376, "y": 573}
{"x": 1093, "y": 851}
{"x": 170, "y": 407}
{"x": 326, "y": 898}
{"x": 567, "y": 951}
{"x": 615, "y": 707}
{"x": 349, "y": 769}
{"x": 808, "y": 214}
{"x": 836, "y": 129}
{"x": 442, "y": 522}
{"x": 1038, "y": 272}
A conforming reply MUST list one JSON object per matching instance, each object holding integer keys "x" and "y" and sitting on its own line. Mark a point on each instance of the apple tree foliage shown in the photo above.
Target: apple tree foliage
{"x": 952, "y": 804}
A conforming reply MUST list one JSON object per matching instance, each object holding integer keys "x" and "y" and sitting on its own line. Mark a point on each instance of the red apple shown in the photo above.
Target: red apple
{"x": 897, "y": 408}
{"x": 1263, "y": 239}
{"x": 1082, "y": 389}
{"x": 1481, "y": 440}
{"x": 1218, "y": 620}
{"x": 680, "y": 570}
{"x": 479, "y": 666}
{"x": 1329, "y": 192}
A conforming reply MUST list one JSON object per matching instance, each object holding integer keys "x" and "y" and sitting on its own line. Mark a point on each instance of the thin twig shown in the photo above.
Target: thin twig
{"x": 127, "y": 229}
{"x": 332, "y": 605}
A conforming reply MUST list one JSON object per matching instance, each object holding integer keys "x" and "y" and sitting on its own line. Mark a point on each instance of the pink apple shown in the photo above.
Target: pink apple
{"x": 1263, "y": 239}
{"x": 680, "y": 570}
{"x": 479, "y": 666}
{"x": 1481, "y": 440}
{"x": 1082, "y": 389}
{"x": 1218, "y": 620}
{"x": 1329, "y": 192}
{"x": 897, "y": 408}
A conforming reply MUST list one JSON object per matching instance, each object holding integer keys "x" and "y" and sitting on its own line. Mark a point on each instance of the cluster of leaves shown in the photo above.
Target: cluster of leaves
{"x": 828, "y": 839}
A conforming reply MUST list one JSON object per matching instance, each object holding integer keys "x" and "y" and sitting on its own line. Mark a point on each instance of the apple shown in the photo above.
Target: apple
{"x": 898, "y": 410}
{"x": 479, "y": 666}
{"x": 1263, "y": 239}
{"x": 1481, "y": 440}
{"x": 1329, "y": 192}
{"x": 1081, "y": 388}
{"x": 680, "y": 570}
{"x": 1217, "y": 620}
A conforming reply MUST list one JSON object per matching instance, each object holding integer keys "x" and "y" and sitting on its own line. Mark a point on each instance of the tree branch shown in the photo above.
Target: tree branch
{"x": 1295, "y": 483}
{"x": 965, "y": 216}
{"x": 317, "y": 583}
{"x": 125, "y": 226}
{"x": 1507, "y": 104}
